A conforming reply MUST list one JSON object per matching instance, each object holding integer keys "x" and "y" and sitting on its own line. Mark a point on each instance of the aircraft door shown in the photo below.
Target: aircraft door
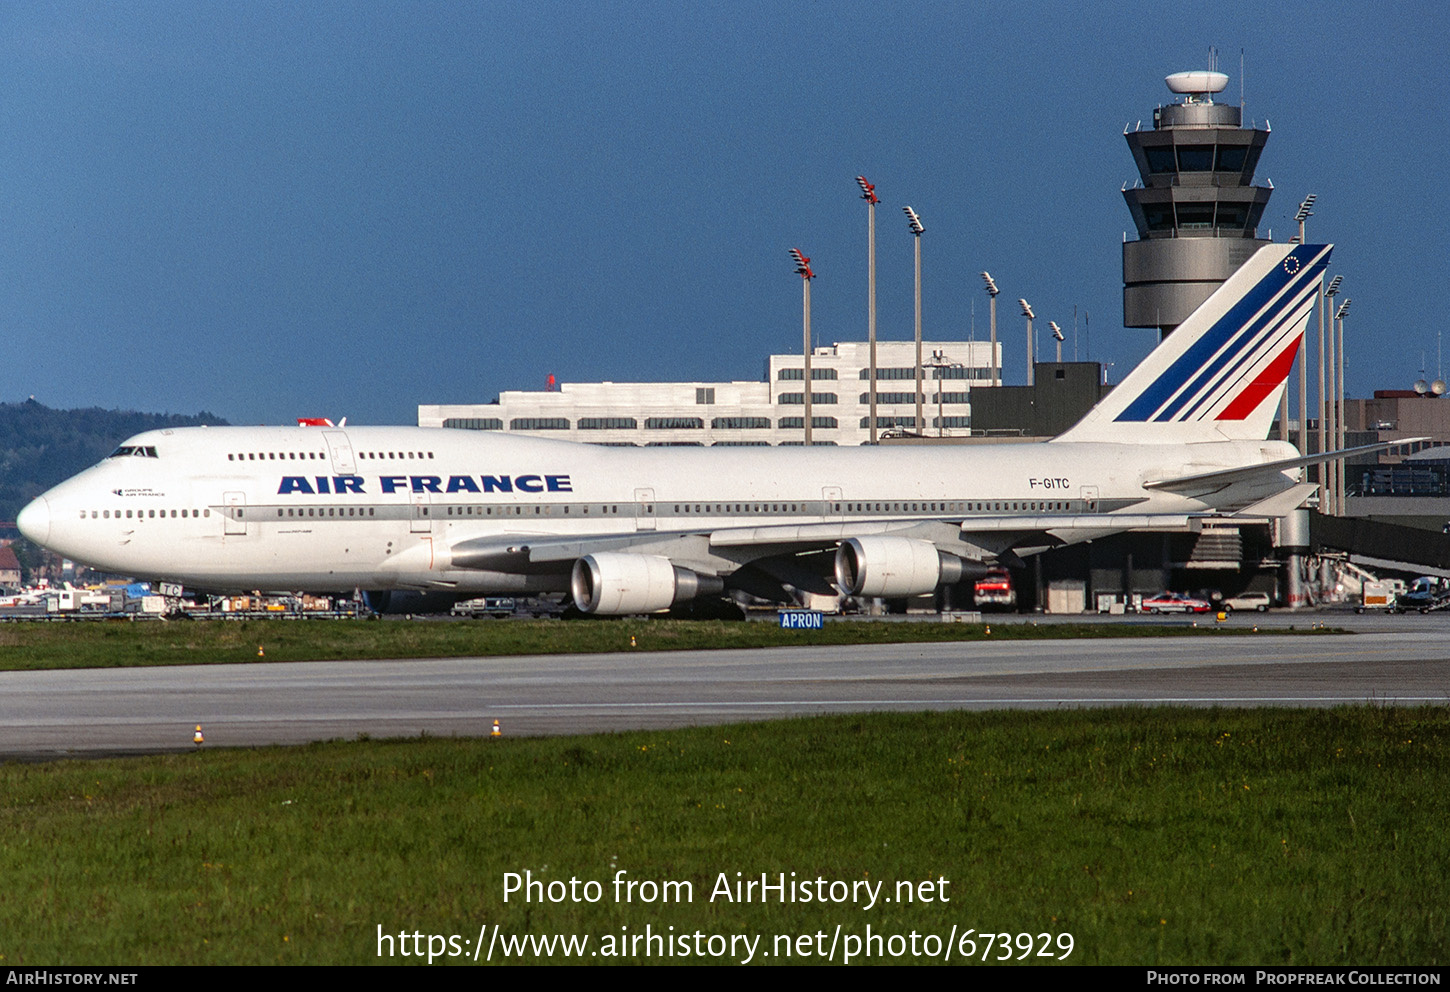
{"x": 644, "y": 509}
{"x": 421, "y": 521}
{"x": 235, "y": 513}
{"x": 1089, "y": 498}
{"x": 340, "y": 448}
{"x": 832, "y": 496}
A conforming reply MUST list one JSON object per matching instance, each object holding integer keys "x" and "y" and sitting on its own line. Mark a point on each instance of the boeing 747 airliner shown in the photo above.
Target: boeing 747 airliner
{"x": 387, "y": 509}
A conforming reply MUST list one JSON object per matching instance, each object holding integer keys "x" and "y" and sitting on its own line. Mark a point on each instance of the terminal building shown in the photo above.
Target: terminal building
{"x": 751, "y": 413}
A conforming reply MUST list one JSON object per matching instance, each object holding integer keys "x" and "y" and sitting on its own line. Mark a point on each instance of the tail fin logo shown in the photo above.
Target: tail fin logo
{"x": 1233, "y": 364}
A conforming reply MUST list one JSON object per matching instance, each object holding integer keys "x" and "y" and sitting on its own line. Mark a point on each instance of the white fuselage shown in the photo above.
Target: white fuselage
{"x": 376, "y": 508}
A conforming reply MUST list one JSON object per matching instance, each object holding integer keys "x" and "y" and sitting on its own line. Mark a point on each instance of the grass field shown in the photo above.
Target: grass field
{"x": 1149, "y": 836}
{"x": 104, "y": 644}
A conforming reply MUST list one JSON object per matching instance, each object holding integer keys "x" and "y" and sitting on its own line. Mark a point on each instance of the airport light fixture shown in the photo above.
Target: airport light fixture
{"x": 914, "y": 223}
{"x": 939, "y": 362}
{"x": 1057, "y": 336}
{"x": 1341, "y": 468}
{"x": 1316, "y": 472}
{"x": 803, "y": 269}
{"x": 1326, "y": 353}
{"x": 1027, "y": 312}
{"x": 868, "y": 193}
{"x": 1306, "y": 210}
{"x": 992, "y": 294}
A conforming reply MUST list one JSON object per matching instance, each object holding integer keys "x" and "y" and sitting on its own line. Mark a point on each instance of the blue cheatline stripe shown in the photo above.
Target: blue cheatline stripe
{"x": 1211, "y": 342}
{"x": 1246, "y": 343}
{"x": 1250, "y": 357}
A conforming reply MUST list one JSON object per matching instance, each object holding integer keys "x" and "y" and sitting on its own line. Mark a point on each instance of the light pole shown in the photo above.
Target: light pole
{"x": 939, "y": 362}
{"x": 1056, "y": 336}
{"x": 1305, "y": 211}
{"x": 868, "y": 193}
{"x": 914, "y": 222}
{"x": 1341, "y": 468}
{"x": 1027, "y": 312}
{"x": 992, "y": 358}
{"x": 803, "y": 269}
{"x": 1325, "y": 301}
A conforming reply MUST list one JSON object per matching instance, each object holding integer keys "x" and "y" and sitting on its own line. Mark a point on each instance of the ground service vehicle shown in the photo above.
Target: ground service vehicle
{"x": 1174, "y": 602}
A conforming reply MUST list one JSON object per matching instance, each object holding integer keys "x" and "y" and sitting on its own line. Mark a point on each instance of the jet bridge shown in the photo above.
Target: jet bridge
{"x": 1395, "y": 546}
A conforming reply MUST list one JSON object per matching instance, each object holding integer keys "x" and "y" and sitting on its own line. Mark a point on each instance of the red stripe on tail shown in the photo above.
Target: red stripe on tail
{"x": 1265, "y": 383}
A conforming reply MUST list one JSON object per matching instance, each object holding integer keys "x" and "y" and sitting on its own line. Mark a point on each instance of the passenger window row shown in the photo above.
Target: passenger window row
{"x": 648, "y": 508}
{"x": 286, "y": 456}
{"x": 143, "y": 514}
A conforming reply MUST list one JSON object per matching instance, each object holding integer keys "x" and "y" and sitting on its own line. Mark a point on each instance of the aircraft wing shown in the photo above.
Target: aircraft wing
{"x": 763, "y": 560}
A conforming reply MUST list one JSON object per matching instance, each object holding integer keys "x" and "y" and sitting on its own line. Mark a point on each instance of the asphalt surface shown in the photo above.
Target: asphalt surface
{"x": 1403, "y": 660}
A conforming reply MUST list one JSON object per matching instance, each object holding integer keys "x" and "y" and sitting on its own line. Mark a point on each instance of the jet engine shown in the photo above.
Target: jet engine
{"x": 883, "y": 565}
{"x": 613, "y": 582}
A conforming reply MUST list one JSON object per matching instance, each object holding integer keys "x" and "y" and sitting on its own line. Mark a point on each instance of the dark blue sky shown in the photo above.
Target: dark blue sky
{"x": 269, "y": 210}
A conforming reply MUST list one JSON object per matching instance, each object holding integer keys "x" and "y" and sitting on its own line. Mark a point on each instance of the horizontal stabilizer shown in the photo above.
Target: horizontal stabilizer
{"x": 1281, "y": 504}
{"x": 1227, "y": 475}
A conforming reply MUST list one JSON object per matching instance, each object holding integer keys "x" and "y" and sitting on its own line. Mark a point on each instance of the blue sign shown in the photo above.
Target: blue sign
{"x": 802, "y": 619}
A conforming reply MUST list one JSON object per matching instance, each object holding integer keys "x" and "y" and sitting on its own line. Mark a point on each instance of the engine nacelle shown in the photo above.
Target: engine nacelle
{"x": 883, "y": 565}
{"x": 613, "y": 582}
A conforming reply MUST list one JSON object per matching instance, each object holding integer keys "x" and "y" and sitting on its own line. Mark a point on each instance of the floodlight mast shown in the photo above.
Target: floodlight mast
{"x": 1027, "y": 312}
{"x": 992, "y": 292}
{"x": 803, "y": 269}
{"x": 1341, "y": 470}
{"x": 1326, "y": 352}
{"x": 1057, "y": 336}
{"x": 868, "y": 193}
{"x": 1305, "y": 211}
{"x": 914, "y": 223}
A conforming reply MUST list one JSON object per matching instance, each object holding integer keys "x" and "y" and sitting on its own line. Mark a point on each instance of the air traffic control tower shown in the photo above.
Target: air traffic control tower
{"x": 1196, "y": 208}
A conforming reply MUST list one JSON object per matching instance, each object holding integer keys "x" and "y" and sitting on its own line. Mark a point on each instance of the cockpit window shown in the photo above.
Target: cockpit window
{"x": 133, "y": 451}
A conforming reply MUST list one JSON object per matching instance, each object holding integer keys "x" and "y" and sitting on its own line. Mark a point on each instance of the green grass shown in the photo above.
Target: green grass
{"x": 1150, "y": 835}
{"x": 111, "y": 644}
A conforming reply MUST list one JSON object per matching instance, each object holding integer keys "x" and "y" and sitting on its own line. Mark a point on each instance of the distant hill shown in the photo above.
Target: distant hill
{"x": 40, "y": 447}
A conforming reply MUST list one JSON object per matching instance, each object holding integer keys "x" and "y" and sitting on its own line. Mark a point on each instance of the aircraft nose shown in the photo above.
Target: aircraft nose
{"x": 34, "y": 520}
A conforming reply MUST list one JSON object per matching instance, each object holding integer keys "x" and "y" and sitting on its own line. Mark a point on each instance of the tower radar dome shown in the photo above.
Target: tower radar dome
{"x": 1199, "y": 83}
